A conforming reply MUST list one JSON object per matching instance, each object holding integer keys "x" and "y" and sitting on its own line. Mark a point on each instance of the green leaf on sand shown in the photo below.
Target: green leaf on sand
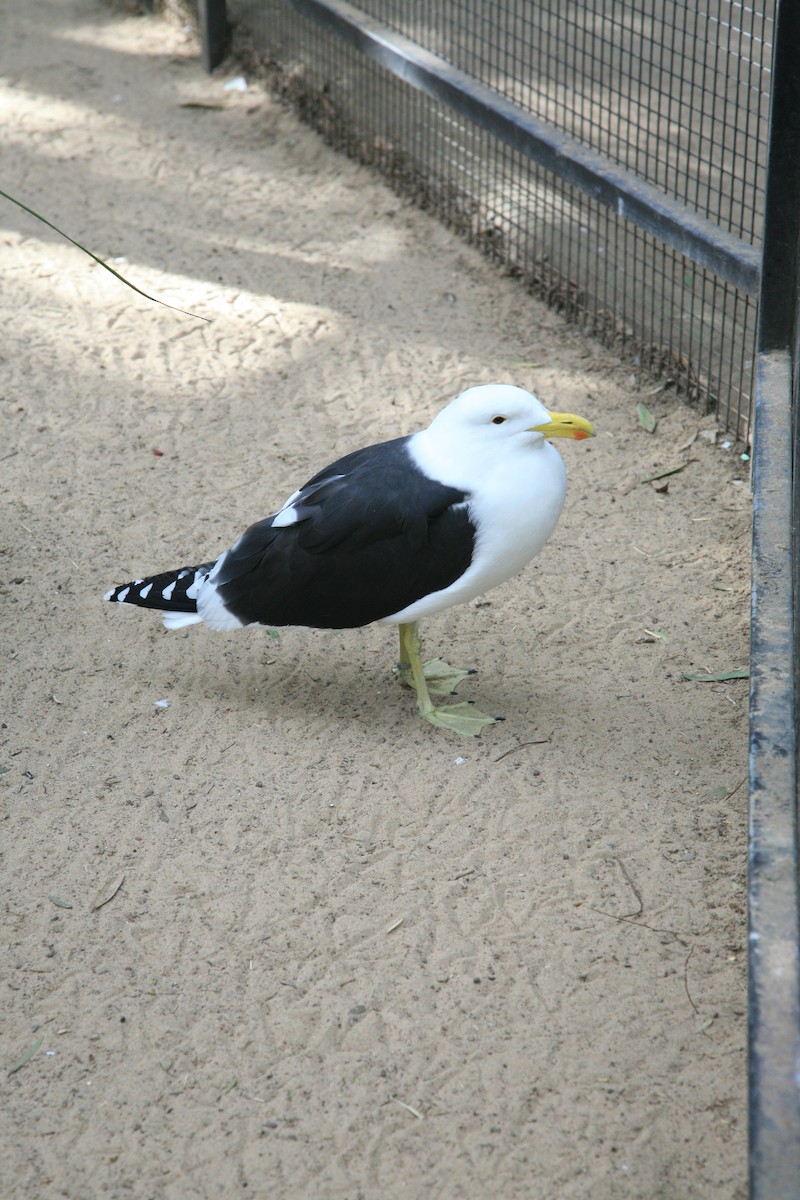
{"x": 668, "y": 471}
{"x": 720, "y": 676}
{"x": 26, "y": 1058}
{"x": 647, "y": 420}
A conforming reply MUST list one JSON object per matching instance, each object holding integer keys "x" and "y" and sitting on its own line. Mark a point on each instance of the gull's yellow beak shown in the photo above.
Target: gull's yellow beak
{"x": 565, "y": 425}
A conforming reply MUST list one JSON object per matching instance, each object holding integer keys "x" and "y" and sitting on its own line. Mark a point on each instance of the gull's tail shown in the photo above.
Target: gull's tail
{"x": 173, "y": 592}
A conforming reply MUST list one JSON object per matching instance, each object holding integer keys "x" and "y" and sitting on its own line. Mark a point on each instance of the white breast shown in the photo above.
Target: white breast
{"x": 514, "y": 507}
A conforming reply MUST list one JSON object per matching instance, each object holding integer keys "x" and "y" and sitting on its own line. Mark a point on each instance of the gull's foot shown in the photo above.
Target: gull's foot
{"x": 441, "y": 678}
{"x": 461, "y": 718}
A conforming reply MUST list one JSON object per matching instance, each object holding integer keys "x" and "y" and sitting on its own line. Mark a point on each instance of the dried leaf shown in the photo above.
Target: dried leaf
{"x": 109, "y": 891}
{"x": 59, "y": 903}
{"x": 626, "y": 484}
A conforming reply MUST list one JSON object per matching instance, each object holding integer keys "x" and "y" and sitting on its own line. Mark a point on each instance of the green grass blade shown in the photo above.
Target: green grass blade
{"x": 26, "y": 1058}
{"x": 99, "y": 261}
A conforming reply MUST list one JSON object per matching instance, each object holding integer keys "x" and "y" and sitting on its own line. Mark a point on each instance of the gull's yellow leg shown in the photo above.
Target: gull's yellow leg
{"x": 440, "y": 677}
{"x": 462, "y": 718}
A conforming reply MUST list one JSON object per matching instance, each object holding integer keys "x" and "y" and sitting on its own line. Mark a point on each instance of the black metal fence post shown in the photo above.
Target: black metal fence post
{"x": 213, "y": 18}
{"x": 774, "y": 923}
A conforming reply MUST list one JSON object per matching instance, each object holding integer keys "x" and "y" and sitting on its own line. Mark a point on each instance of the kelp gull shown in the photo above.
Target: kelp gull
{"x": 392, "y": 533}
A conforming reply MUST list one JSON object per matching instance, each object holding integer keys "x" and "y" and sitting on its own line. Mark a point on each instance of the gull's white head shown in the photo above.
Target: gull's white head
{"x": 488, "y": 423}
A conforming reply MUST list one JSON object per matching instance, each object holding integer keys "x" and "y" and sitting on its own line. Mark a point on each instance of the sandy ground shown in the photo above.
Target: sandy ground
{"x": 346, "y": 954}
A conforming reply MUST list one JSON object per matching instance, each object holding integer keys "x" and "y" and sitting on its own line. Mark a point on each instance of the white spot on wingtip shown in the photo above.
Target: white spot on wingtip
{"x": 287, "y": 516}
{"x": 145, "y": 592}
{"x": 169, "y": 589}
{"x": 121, "y": 596}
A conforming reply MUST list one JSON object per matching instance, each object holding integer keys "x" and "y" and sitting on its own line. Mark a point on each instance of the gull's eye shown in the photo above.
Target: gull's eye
{"x": 498, "y": 420}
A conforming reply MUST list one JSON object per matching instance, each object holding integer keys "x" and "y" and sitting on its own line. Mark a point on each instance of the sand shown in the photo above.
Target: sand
{"x": 280, "y": 938}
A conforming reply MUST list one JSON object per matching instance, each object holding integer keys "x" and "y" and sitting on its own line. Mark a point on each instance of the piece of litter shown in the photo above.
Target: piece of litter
{"x": 726, "y": 445}
{"x": 395, "y": 925}
{"x": 237, "y": 84}
{"x": 458, "y": 761}
{"x": 744, "y": 457}
{"x": 163, "y": 703}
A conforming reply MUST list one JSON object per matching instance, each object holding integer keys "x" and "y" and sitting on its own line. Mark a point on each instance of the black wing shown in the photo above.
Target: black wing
{"x": 372, "y": 535}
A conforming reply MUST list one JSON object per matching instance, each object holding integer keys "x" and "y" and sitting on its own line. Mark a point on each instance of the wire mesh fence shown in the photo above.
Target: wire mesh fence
{"x": 675, "y": 95}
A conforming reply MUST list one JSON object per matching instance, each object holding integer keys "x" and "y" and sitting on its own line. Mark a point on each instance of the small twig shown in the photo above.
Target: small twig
{"x": 513, "y": 750}
{"x": 686, "y": 981}
{"x": 641, "y": 924}
{"x": 733, "y": 791}
{"x": 633, "y": 888}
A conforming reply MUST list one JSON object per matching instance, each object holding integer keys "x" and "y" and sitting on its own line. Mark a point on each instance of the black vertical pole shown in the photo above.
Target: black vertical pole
{"x": 213, "y": 31}
{"x": 774, "y": 895}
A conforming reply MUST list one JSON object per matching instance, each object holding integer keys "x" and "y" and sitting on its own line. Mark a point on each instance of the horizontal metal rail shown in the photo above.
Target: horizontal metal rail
{"x": 676, "y": 225}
